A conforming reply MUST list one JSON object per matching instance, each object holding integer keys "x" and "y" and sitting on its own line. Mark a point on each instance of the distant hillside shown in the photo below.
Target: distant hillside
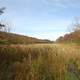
{"x": 10, "y": 38}
{"x": 73, "y": 37}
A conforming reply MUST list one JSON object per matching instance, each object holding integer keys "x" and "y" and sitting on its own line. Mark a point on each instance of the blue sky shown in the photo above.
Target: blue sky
{"x": 40, "y": 18}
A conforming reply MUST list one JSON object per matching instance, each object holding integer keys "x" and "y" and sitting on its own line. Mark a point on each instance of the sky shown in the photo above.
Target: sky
{"x": 44, "y": 19}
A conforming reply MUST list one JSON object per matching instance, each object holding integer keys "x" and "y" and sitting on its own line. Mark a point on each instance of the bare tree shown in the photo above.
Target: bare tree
{"x": 1, "y": 25}
{"x": 2, "y": 10}
{"x": 4, "y": 27}
{"x": 75, "y": 26}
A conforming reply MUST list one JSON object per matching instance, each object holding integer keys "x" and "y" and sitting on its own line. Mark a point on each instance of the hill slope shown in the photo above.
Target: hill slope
{"x": 73, "y": 37}
{"x": 10, "y": 38}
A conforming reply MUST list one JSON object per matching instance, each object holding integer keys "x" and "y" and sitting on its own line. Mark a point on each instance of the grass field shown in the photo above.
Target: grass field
{"x": 40, "y": 62}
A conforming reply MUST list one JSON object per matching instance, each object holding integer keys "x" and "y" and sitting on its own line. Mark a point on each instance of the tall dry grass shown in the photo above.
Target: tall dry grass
{"x": 39, "y": 62}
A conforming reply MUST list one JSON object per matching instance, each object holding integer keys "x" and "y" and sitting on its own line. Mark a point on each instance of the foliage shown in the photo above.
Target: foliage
{"x": 73, "y": 37}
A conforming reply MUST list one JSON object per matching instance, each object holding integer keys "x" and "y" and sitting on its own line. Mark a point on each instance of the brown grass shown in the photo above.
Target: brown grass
{"x": 39, "y": 62}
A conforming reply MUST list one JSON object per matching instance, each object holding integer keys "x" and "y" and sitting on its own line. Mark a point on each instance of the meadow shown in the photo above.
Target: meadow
{"x": 40, "y": 62}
